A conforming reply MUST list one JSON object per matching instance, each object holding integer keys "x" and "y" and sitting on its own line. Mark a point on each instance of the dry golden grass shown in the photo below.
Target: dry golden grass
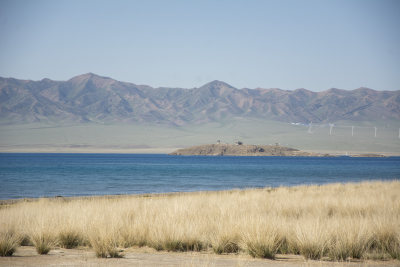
{"x": 336, "y": 221}
{"x": 9, "y": 241}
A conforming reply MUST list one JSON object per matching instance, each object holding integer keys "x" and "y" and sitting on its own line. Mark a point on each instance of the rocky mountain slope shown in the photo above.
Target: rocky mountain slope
{"x": 92, "y": 98}
{"x": 242, "y": 150}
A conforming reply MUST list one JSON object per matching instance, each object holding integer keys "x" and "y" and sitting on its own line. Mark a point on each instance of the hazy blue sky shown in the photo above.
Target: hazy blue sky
{"x": 286, "y": 44}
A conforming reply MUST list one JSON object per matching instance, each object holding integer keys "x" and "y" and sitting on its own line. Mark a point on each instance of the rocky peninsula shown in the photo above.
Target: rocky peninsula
{"x": 243, "y": 150}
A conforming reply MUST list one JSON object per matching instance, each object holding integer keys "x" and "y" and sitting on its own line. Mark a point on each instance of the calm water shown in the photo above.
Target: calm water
{"x": 36, "y": 175}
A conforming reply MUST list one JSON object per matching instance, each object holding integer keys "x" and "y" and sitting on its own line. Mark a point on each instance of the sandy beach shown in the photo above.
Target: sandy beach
{"x": 27, "y": 256}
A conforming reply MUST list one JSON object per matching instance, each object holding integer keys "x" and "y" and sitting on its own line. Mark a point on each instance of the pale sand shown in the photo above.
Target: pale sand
{"x": 27, "y": 256}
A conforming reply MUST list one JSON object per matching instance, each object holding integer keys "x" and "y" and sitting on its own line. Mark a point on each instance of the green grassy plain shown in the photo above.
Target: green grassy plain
{"x": 145, "y": 138}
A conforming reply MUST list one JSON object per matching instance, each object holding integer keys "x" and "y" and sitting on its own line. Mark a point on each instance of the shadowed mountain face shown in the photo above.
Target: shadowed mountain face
{"x": 89, "y": 97}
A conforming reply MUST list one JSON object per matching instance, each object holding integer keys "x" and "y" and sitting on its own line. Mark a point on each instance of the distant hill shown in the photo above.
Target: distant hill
{"x": 92, "y": 98}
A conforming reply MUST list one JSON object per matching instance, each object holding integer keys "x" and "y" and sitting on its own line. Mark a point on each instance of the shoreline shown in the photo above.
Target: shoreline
{"x": 168, "y": 151}
{"x": 11, "y": 201}
{"x": 117, "y": 196}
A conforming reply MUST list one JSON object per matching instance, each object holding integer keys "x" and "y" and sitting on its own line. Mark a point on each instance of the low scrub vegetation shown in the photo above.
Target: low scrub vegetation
{"x": 331, "y": 222}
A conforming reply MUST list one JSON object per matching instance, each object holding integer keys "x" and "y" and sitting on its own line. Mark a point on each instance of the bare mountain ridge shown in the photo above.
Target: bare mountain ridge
{"x": 92, "y": 98}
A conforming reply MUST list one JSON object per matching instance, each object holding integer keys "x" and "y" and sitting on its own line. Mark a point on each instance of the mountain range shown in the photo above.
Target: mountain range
{"x": 93, "y": 98}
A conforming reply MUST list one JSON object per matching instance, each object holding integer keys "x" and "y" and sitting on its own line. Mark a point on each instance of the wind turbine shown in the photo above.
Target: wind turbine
{"x": 375, "y": 130}
{"x": 331, "y": 128}
{"x": 309, "y": 128}
{"x": 352, "y": 130}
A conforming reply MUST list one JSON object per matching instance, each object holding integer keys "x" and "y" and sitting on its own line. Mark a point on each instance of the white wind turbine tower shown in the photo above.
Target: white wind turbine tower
{"x": 331, "y": 128}
{"x": 352, "y": 130}
{"x": 310, "y": 128}
{"x": 375, "y": 130}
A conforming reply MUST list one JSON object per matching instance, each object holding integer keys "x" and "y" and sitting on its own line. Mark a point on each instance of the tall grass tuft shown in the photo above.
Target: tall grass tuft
{"x": 351, "y": 242}
{"x": 261, "y": 240}
{"x": 225, "y": 244}
{"x": 104, "y": 244}
{"x": 312, "y": 240}
{"x": 260, "y": 249}
{"x": 9, "y": 241}
{"x": 43, "y": 242}
{"x": 105, "y": 248}
{"x": 69, "y": 239}
{"x": 386, "y": 240}
{"x": 25, "y": 240}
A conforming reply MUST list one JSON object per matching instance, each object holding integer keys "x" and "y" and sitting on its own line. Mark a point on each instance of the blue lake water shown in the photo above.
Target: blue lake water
{"x": 38, "y": 175}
